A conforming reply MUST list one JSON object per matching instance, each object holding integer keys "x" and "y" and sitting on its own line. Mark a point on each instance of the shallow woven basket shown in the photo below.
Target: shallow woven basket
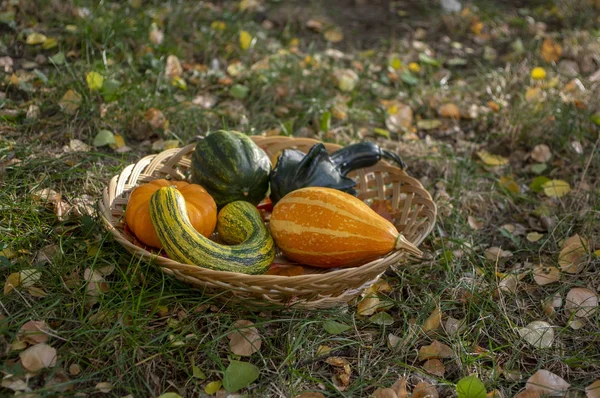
{"x": 414, "y": 211}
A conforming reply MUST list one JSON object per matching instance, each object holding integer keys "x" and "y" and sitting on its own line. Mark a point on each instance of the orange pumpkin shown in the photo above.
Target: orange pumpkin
{"x": 201, "y": 209}
{"x": 327, "y": 228}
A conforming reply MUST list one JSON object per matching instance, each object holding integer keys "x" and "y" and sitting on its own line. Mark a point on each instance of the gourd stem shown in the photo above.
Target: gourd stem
{"x": 403, "y": 244}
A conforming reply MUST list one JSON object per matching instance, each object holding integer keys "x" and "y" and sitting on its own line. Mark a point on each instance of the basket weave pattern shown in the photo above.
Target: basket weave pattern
{"x": 415, "y": 217}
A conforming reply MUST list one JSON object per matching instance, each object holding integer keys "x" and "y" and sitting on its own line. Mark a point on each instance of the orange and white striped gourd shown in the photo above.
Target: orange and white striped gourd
{"x": 327, "y": 228}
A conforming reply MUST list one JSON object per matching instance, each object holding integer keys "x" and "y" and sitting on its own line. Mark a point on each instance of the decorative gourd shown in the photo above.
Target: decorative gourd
{"x": 295, "y": 170}
{"x": 201, "y": 210}
{"x": 239, "y": 223}
{"x": 327, "y": 228}
{"x": 317, "y": 168}
{"x": 230, "y": 166}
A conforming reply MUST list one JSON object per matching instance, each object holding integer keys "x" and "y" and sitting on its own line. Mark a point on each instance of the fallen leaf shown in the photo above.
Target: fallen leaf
{"x": 538, "y": 333}
{"x": 29, "y": 277}
{"x": 104, "y": 137}
{"x": 239, "y": 375}
{"x": 333, "y": 35}
{"x": 582, "y": 302}
{"x": 470, "y": 387}
{"x": 576, "y": 323}
{"x": 212, "y": 387}
{"x": 323, "y": 350}
{"x": 544, "y": 275}
{"x": 220, "y": 26}
{"x": 433, "y": 321}
{"x": 474, "y": 223}
{"x": 205, "y": 101}
{"x": 509, "y": 283}
{"x": 571, "y": 258}
{"x": 94, "y": 81}
{"x": 393, "y": 341}
{"x": 333, "y": 327}
{"x": 556, "y": 188}
{"x": 173, "y": 67}
{"x": 494, "y": 253}
{"x": 38, "y": 357}
{"x": 74, "y": 369}
{"x": 593, "y": 390}
{"x": 492, "y": 160}
{"x": 529, "y": 394}
{"x": 104, "y": 387}
{"x": 435, "y": 350}
{"x": 384, "y": 393}
{"x": 541, "y": 153}
{"x": 399, "y": 117}
{"x": 414, "y": 67}
{"x": 454, "y": 326}
{"x": 424, "y": 390}
{"x": 245, "y": 39}
{"x": 368, "y": 306}
{"x": 169, "y": 395}
{"x": 70, "y": 102}
{"x": 450, "y": 111}
{"x": 538, "y": 73}
{"x": 76, "y": 145}
{"x": 35, "y": 38}
{"x": 155, "y": 35}
{"x": 156, "y": 119}
{"x": 245, "y": 341}
{"x": 33, "y": 332}
{"x": 547, "y": 382}
{"x": 509, "y": 184}
{"x": 13, "y": 281}
{"x": 400, "y": 387}
{"x": 345, "y": 79}
{"x": 551, "y": 51}
{"x": 382, "y": 319}
{"x": 429, "y": 124}
{"x": 310, "y": 394}
{"x": 15, "y": 384}
{"x": 534, "y": 236}
{"x": 435, "y": 367}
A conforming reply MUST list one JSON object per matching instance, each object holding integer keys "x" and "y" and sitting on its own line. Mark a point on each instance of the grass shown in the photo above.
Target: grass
{"x": 147, "y": 331}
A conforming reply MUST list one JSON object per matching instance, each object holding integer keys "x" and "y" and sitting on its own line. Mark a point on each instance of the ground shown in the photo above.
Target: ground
{"x": 495, "y": 109}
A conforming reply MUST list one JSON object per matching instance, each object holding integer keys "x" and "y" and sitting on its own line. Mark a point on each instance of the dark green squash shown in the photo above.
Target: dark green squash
{"x": 295, "y": 170}
{"x": 230, "y": 166}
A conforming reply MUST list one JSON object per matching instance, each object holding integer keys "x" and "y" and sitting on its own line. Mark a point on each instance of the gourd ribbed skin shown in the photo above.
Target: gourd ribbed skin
{"x": 328, "y": 228}
{"x": 230, "y": 166}
{"x": 241, "y": 223}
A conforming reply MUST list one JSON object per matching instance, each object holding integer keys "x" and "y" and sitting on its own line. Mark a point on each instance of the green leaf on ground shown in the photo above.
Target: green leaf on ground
{"x": 239, "y": 375}
{"x": 470, "y": 387}
{"x": 333, "y": 327}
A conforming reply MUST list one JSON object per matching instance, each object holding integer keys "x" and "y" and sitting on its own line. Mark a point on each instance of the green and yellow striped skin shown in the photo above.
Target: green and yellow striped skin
{"x": 230, "y": 166}
{"x": 239, "y": 223}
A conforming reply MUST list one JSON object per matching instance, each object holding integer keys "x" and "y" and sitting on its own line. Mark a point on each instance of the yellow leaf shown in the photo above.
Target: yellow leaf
{"x": 323, "y": 350}
{"x": 35, "y": 38}
{"x": 245, "y": 40}
{"x": 434, "y": 320}
{"x": 179, "y": 82}
{"x": 538, "y": 73}
{"x": 556, "y": 188}
{"x": 171, "y": 144}
{"x": 49, "y": 43}
{"x": 477, "y": 27}
{"x": 218, "y": 25}
{"x": 367, "y": 306}
{"x": 492, "y": 160}
{"x": 94, "y": 81}
{"x": 414, "y": 67}
{"x": 509, "y": 184}
{"x": 333, "y": 35}
{"x": 13, "y": 280}
{"x": 597, "y": 253}
{"x": 534, "y": 236}
{"x": 119, "y": 142}
{"x": 551, "y": 51}
{"x": 212, "y": 387}
{"x": 396, "y": 63}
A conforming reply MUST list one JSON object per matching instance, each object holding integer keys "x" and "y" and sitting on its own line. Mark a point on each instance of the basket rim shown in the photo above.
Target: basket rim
{"x": 383, "y": 262}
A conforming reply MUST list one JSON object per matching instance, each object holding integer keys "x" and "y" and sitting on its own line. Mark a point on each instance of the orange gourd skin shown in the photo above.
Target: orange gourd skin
{"x": 201, "y": 209}
{"x": 327, "y": 228}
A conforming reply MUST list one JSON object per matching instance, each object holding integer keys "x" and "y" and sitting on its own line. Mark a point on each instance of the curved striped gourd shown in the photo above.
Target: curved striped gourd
{"x": 328, "y": 228}
{"x": 238, "y": 223}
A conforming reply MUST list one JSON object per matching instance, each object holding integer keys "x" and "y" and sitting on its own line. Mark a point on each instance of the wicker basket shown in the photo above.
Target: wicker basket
{"x": 414, "y": 211}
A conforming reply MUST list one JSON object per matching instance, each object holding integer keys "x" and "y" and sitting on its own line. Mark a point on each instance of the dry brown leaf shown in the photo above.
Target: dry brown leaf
{"x": 571, "y": 258}
{"x": 245, "y": 341}
{"x": 544, "y": 275}
{"x": 12, "y": 281}
{"x": 333, "y": 35}
{"x": 393, "y": 342}
{"x": 33, "y": 332}
{"x": 593, "y": 390}
{"x": 509, "y": 284}
{"x": 435, "y": 367}
{"x": 310, "y": 394}
{"x": 435, "y": 350}
{"x": 581, "y": 301}
{"x": 104, "y": 387}
{"x": 541, "y": 153}
{"x": 547, "y": 382}
{"x": 474, "y": 223}
{"x": 534, "y": 236}
{"x": 384, "y": 393}
{"x": 341, "y": 378}
{"x": 368, "y": 305}
{"x": 534, "y": 94}
{"x": 454, "y": 326}
{"x": 38, "y": 357}
{"x": 551, "y": 51}
{"x": 399, "y": 116}
{"x": 491, "y": 159}
{"x": 425, "y": 390}
{"x": 74, "y": 369}
{"x": 400, "y": 387}
{"x": 70, "y": 102}
{"x": 494, "y": 253}
{"x": 15, "y": 384}
{"x": 449, "y": 110}
{"x": 538, "y": 333}
{"x": 434, "y": 320}
{"x": 529, "y": 394}
{"x": 173, "y": 68}
{"x": 156, "y": 119}
{"x": 576, "y": 323}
